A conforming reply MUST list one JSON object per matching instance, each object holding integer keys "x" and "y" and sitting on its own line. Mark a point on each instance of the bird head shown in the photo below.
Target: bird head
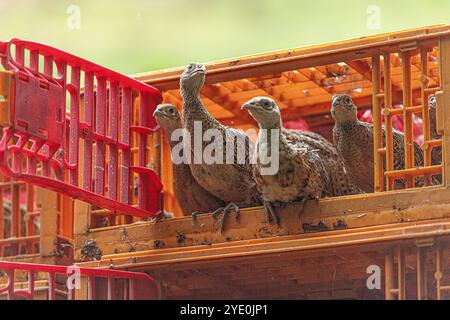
{"x": 168, "y": 117}
{"x": 265, "y": 111}
{"x": 432, "y": 112}
{"x": 193, "y": 78}
{"x": 432, "y": 102}
{"x": 342, "y": 108}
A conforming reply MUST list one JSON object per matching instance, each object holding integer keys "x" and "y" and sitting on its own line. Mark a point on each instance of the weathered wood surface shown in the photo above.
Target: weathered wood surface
{"x": 373, "y": 210}
{"x": 328, "y": 265}
{"x": 277, "y": 62}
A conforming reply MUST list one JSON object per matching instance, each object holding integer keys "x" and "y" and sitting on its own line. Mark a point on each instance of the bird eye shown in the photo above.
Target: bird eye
{"x": 347, "y": 100}
{"x": 171, "y": 111}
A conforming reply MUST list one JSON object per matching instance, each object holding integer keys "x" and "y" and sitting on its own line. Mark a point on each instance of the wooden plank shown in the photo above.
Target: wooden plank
{"x": 32, "y": 258}
{"x": 274, "y": 247}
{"x": 82, "y": 293}
{"x": 81, "y": 217}
{"x": 233, "y": 106}
{"x": 295, "y": 112}
{"x": 277, "y": 62}
{"x": 278, "y": 275}
{"x": 407, "y": 116}
{"x": 377, "y": 126}
{"x": 421, "y": 274}
{"x": 425, "y": 113}
{"x": 361, "y": 67}
{"x": 401, "y": 270}
{"x": 49, "y": 222}
{"x": 278, "y": 291}
{"x": 389, "y": 274}
{"x": 356, "y": 211}
{"x": 439, "y": 271}
{"x": 389, "y": 144}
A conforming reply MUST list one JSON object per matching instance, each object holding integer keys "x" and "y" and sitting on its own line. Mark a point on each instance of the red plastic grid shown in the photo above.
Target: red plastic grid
{"x": 140, "y": 286}
{"x": 34, "y": 146}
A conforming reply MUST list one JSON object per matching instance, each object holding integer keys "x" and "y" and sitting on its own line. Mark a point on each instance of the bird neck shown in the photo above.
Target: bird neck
{"x": 347, "y": 123}
{"x": 194, "y": 110}
{"x": 272, "y": 125}
{"x": 269, "y": 136}
{"x": 191, "y": 97}
{"x": 168, "y": 135}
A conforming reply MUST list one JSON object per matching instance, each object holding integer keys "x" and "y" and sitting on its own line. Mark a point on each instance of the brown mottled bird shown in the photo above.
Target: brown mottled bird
{"x": 354, "y": 142}
{"x": 436, "y": 153}
{"x": 309, "y": 166}
{"x": 190, "y": 195}
{"x": 228, "y": 176}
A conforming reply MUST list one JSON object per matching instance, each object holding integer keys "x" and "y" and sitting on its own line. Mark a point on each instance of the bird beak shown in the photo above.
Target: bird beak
{"x": 333, "y": 99}
{"x": 201, "y": 70}
{"x": 157, "y": 112}
{"x": 249, "y": 106}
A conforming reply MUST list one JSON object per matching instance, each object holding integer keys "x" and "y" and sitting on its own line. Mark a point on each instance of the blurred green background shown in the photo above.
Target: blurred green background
{"x": 142, "y": 35}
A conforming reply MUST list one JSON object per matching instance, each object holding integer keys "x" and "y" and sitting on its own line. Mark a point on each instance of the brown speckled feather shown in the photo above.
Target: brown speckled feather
{"x": 190, "y": 195}
{"x": 232, "y": 183}
{"x": 229, "y": 182}
{"x": 309, "y": 168}
{"x": 354, "y": 142}
{"x": 436, "y": 153}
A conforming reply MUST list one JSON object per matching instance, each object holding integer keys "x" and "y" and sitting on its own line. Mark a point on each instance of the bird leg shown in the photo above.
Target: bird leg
{"x": 225, "y": 211}
{"x": 271, "y": 213}
{"x": 302, "y": 205}
{"x": 303, "y": 200}
{"x": 194, "y": 216}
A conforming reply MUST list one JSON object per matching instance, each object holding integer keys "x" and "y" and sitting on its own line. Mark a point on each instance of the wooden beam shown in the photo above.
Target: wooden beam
{"x": 277, "y": 98}
{"x": 389, "y": 274}
{"x": 49, "y": 222}
{"x": 82, "y": 217}
{"x": 401, "y": 272}
{"x": 213, "y": 93}
{"x": 277, "y": 62}
{"x": 355, "y": 211}
{"x": 362, "y": 68}
{"x": 377, "y": 125}
{"x": 421, "y": 274}
{"x": 317, "y": 82}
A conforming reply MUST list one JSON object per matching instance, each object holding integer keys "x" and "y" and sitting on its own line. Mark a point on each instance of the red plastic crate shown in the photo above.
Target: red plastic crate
{"x": 140, "y": 286}
{"x": 41, "y": 87}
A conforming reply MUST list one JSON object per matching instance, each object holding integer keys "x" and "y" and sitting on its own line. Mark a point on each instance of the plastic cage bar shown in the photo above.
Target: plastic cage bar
{"x": 94, "y": 163}
{"x": 412, "y": 55}
{"x": 19, "y": 212}
{"x": 64, "y": 281}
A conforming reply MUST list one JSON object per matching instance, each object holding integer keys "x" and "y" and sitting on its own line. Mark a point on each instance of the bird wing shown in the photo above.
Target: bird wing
{"x": 336, "y": 136}
{"x": 191, "y": 196}
{"x": 242, "y": 142}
